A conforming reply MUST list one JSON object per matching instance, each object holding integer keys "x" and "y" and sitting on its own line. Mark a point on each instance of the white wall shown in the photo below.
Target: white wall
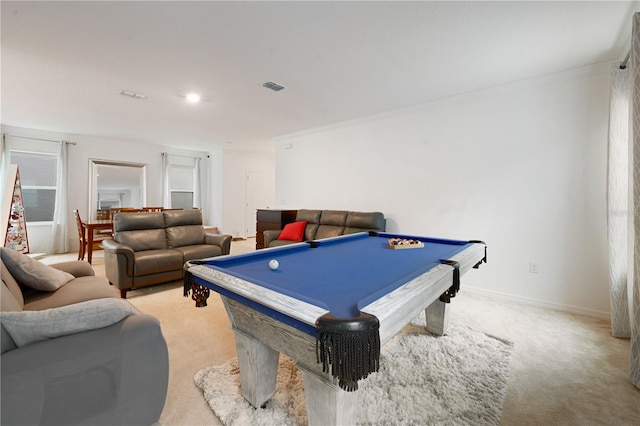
{"x": 236, "y": 166}
{"x": 521, "y": 166}
{"x": 88, "y": 147}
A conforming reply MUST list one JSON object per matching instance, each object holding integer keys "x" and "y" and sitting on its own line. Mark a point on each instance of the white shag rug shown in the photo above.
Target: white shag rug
{"x": 457, "y": 379}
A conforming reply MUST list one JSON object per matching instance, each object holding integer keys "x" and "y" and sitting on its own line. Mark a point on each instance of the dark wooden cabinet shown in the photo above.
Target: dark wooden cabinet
{"x": 271, "y": 219}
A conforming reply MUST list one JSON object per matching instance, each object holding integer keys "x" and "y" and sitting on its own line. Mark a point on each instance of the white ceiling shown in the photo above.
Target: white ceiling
{"x": 65, "y": 63}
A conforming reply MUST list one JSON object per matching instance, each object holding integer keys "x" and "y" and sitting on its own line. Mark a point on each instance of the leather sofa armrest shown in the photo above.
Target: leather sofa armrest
{"x": 271, "y": 235}
{"x": 119, "y": 251}
{"x": 221, "y": 240}
{"x": 77, "y": 268}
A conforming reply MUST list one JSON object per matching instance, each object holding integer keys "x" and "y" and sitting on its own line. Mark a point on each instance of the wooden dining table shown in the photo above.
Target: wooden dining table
{"x": 92, "y": 226}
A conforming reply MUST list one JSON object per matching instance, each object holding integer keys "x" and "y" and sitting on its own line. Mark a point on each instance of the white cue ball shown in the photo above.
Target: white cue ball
{"x": 273, "y": 264}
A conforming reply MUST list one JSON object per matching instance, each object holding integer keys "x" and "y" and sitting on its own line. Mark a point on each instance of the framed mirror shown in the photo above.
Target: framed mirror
{"x": 115, "y": 184}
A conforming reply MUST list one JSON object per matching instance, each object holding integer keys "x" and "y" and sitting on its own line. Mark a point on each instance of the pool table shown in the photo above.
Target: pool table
{"x": 330, "y": 304}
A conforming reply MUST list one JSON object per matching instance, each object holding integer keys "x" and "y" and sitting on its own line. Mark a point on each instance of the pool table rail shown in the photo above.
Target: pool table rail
{"x": 470, "y": 257}
{"x": 421, "y": 293}
{"x": 397, "y": 308}
{"x": 295, "y": 308}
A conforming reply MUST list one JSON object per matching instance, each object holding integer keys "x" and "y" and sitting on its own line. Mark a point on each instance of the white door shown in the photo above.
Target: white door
{"x": 260, "y": 194}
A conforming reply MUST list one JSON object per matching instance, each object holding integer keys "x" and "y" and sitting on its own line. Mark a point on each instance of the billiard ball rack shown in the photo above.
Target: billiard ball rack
{"x": 404, "y": 243}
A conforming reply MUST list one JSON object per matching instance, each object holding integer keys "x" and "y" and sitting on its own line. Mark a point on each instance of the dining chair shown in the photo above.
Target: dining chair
{"x": 82, "y": 237}
{"x": 103, "y": 215}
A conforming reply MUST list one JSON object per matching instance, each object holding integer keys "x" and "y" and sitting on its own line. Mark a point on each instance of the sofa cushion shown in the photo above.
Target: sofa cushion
{"x": 186, "y": 235}
{"x": 12, "y": 286}
{"x": 144, "y": 239}
{"x": 334, "y": 217}
{"x": 332, "y": 223}
{"x": 140, "y": 231}
{"x": 8, "y": 301}
{"x": 278, "y": 243}
{"x": 311, "y": 216}
{"x": 156, "y": 261}
{"x": 293, "y": 231}
{"x": 79, "y": 290}
{"x": 313, "y": 219}
{"x": 77, "y": 268}
{"x": 6, "y": 342}
{"x": 137, "y": 221}
{"x": 28, "y": 327}
{"x": 9, "y": 304}
{"x": 200, "y": 251}
{"x": 364, "y": 221}
{"x": 328, "y": 231}
{"x": 32, "y": 273}
{"x": 182, "y": 217}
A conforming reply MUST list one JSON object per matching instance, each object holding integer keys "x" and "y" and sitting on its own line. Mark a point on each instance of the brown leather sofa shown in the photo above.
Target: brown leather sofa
{"x": 115, "y": 373}
{"x": 151, "y": 247}
{"x": 329, "y": 223}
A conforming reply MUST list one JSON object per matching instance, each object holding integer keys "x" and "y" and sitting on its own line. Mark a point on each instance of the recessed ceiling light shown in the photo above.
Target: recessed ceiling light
{"x": 194, "y": 98}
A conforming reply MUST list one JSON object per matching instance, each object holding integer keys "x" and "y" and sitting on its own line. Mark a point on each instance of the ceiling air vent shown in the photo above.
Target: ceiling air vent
{"x": 273, "y": 86}
{"x": 133, "y": 95}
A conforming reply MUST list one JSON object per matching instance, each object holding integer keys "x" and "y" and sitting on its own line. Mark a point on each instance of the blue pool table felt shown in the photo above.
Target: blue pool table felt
{"x": 341, "y": 275}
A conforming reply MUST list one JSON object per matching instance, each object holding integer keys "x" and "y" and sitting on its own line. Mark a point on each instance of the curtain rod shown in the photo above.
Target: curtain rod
{"x": 624, "y": 63}
{"x": 197, "y": 157}
{"x": 42, "y": 140}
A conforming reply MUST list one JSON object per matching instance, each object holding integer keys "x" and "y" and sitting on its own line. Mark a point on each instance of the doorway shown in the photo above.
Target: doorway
{"x": 260, "y": 194}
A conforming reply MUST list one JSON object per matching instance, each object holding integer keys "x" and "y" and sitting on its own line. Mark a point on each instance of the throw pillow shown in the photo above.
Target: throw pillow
{"x": 26, "y": 327}
{"x": 32, "y": 273}
{"x": 293, "y": 231}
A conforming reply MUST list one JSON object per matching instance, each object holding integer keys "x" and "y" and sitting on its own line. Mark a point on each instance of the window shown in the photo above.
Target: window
{"x": 38, "y": 174}
{"x": 181, "y": 181}
{"x": 181, "y": 186}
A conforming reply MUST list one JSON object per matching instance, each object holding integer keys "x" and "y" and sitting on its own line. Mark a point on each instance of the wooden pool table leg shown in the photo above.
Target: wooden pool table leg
{"x": 327, "y": 404}
{"x": 437, "y": 314}
{"x": 258, "y": 369}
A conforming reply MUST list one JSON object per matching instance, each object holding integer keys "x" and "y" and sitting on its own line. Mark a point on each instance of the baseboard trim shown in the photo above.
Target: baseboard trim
{"x": 541, "y": 303}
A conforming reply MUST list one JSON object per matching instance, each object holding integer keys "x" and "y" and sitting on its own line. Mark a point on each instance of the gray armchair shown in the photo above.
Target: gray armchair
{"x": 115, "y": 374}
{"x": 108, "y": 376}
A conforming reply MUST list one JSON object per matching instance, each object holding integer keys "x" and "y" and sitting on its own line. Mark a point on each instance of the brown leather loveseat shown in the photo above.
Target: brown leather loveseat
{"x": 329, "y": 223}
{"x": 151, "y": 248}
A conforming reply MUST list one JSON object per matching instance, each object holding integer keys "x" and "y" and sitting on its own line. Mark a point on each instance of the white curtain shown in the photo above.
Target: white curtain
{"x": 197, "y": 185}
{"x": 166, "y": 194}
{"x": 205, "y": 190}
{"x": 59, "y": 239}
{"x": 623, "y": 200}
{"x": 618, "y": 201}
{"x": 634, "y": 204}
{"x": 4, "y": 162}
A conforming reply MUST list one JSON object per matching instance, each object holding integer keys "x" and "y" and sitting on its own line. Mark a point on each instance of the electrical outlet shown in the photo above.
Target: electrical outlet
{"x": 534, "y": 267}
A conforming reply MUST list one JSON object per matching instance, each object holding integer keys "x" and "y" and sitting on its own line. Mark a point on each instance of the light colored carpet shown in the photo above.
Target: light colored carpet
{"x": 457, "y": 379}
{"x": 566, "y": 369}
